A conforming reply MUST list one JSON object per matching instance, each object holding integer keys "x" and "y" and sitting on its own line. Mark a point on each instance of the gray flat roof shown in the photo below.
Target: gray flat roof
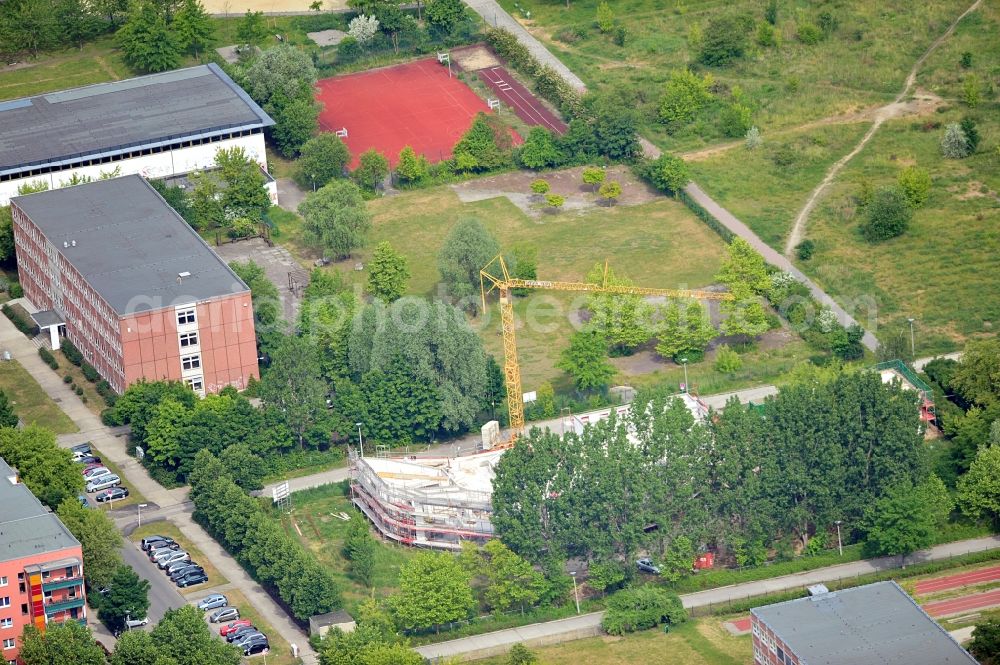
{"x": 866, "y": 625}
{"x": 109, "y": 118}
{"x": 130, "y": 245}
{"x": 26, "y": 526}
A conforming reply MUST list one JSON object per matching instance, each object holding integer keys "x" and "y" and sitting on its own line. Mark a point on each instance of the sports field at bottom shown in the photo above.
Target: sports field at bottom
{"x": 416, "y": 104}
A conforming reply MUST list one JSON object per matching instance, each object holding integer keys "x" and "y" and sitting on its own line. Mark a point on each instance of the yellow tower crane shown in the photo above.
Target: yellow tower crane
{"x": 504, "y": 283}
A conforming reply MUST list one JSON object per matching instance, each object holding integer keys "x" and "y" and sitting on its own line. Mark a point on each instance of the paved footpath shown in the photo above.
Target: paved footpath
{"x": 552, "y": 632}
{"x": 112, "y": 443}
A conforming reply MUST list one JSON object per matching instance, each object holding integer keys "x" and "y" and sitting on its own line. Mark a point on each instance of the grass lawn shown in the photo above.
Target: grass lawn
{"x": 90, "y": 396}
{"x": 279, "y": 652}
{"x": 165, "y": 528}
{"x": 863, "y": 62}
{"x": 324, "y": 535}
{"x": 30, "y": 402}
{"x": 697, "y": 642}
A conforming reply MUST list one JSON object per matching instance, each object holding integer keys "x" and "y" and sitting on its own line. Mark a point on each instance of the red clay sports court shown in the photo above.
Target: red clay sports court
{"x": 416, "y": 104}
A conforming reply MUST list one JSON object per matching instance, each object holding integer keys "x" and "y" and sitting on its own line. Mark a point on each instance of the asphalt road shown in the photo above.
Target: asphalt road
{"x": 162, "y": 592}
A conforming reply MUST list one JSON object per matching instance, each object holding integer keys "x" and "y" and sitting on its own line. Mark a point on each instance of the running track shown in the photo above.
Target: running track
{"x": 520, "y": 100}
{"x": 964, "y": 604}
{"x": 960, "y": 580}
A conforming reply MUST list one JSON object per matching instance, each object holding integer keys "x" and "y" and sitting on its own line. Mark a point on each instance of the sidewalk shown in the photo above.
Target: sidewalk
{"x": 564, "y": 630}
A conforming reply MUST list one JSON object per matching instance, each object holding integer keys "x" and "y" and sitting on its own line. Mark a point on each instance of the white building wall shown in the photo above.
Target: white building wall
{"x": 158, "y": 165}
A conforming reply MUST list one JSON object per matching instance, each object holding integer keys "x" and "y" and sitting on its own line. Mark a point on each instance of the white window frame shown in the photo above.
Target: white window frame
{"x": 187, "y": 317}
{"x": 3, "y": 580}
{"x": 6, "y": 622}
{"x": 193, "y": 360}
{"x": 5, "y": 601}
{"x": 9, "y": 643}
{"x": 186, "y": 337}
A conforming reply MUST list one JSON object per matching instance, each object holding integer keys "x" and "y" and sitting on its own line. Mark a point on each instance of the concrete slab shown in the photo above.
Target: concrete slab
{"x": 327, "y": 37}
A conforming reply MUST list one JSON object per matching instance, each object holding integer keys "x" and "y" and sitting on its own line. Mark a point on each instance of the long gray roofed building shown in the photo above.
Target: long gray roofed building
{"x": 867, "y": 625}
{"x": 27, "y": 527}
{"x": 64, "y": 127}
{"x": 129, "y": 244}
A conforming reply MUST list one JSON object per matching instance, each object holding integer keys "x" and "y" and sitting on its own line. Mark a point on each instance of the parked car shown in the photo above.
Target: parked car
{"x": 186, "y": 569}
{"x": 88, "y": 459}
{"x": 135, "y": 623}
{"x": 81, "y": 450}
{"x": 233, "y": 626}
{"x": 178, "y": 566}
{"x": 150, "y": 542}
{"x": 238, "y": 634}
{"x": 179, "y": 555}
{"x": 247, "y": 638}
{"x": 192, "y": 579}
{"x": 83, "y": 500}
{"x": 156, "y": 551}
{"x": 103, "y": 483}
{"x": 213, "y": 601}
{"x": 113, "y": 494}
{"x": 253, "y": 648}
{"x": 95, "y": 471}
{"x": 224, "y": 614}
{"x": 646, "y": 566}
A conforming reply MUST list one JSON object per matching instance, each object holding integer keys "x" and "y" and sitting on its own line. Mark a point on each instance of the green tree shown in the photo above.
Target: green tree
{"x": 244, "y": 193}
{"x": 539, "y": 187}
{"x": 136, "y": 647}
{"x": 641, "y": 608}
{"x": 520, "y": 654}
{"x": 555, "y": 202}
{"x": 679, "y": 559}
{"x": 77, "y": 21}
{"x": 585, "y": 359}
{"x": 293, "y": 385}
{"x": 294, "y": 124}
{"x": 387, "y": 273}
{"x": 979, "y": 489}
{"x": 972, "y": 90}
{"x": 251, "y": 29}
{"x": 971, "y": 132}
{"x": 47, "y": 469}
{"x": 265, "y": 300}
{"x": 605, "y": 18}
{"x": 335, "y": 219}
{"x": 684, "y": 333}
{"x": 193, "y": 27}
{"x": 279, "y": 75}
{"x": 540, "y": 150}
{"x": 411, "y": 167}
{"x": 685, "y": 95}
{"x": 147, "y": 43}
{"x": 605, "y": 576}
{"x": 985, "y": 645}
{"x": 954, "y": 143}
{"x": 593, "y": 176}
{"x": 128, "y": 598}
{"x": 735, "y": 120}
{"x": 511, "y": 581}
{"x": 433, "y": 590}
{"x": 322, "y": 158}
{"x": 484, "y": 147}
{"x": 624, "y": 320}
{"x": 610, "y": 191}
{"x": 366, "y": 645}
{"x": 613, "y": 127}
{"x": 243, "y": 466}
{"x": 727, "y": 361}
{"x": 745, "y": 274}
{"x": 727, "y": 38}
{"x": 8, "y": 418}
{"x": 907, "y": 518}
{"x": 206, "y": 207}
{"x": 7, "y": 251}
{"x": 359, "y": 547}
{"x": 99, "y": 539}
{"x": 67, "y": 642}
{"x": 372, "y": 170}
{"x": 887, "y": 216}
{"x": 183, "y": 636}
{"x": 915, "y": 184}
{"x": 466, "y": 251}
{"x": 668, "y": 173}
{"x": 445, "y": 15}
{"x": 977, "y": 376}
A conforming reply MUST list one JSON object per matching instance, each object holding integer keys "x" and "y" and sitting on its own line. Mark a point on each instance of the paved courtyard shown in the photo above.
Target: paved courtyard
{"x": 277, "y": 263}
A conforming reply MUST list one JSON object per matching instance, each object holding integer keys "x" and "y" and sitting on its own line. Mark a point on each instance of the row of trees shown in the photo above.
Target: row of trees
{"x": 156, "y": 34}
{"x": 27, "y": 26}
{"x": 259, "y": 542}
{"x": 827, "y": 450}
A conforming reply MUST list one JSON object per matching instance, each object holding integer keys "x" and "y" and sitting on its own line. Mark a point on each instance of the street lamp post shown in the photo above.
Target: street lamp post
{"x": 576, "y": 591}
{"x": 913, "y": 346}
{"x": 684, "y": 361}
{"x": 138, "y": 510}
{"x": 360, "y": 442}
{"x": 840, "y": 544}
{"x": 313, "y": 177}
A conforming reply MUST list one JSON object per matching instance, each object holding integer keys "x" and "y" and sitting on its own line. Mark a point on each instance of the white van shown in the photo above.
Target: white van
{"x": 103, "y": 483}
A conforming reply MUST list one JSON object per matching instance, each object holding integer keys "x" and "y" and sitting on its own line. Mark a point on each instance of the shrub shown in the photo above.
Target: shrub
{"x": 16, "y": 290}
{"x": 915, "y": 184}
{"x": 605, "y": 18}
{"x": 766, "y": 35}
{"x": 771, "y": 12}
{"x": 540, "y": 187}
{"x": 972, "y": 91}
{"x": 640, "y": 608}
{"x": 593, "y": 176}
{"x": 971, "y": 132}
{"x": 888, "y": 215}
{"x": 685, "y": 94}
{"x": 67, "y": 379}
{"x": 966, "y": 60}
{"x": 71, "y": 352}
{"x": 726, "y": 39}
{"x": 48, "y": 358}
{"x": 104, "y": 388}
{"x": 783, "y": 156}
{"x": 79, "y": 390}
{"x": 555, "y": 201}
{"x": 620, "y": 36}
{"x": 753, "y": 139}
{"x": 89, "y": 372}
{"x": 610, "y": 191}
{"x": 954, "y": 143}
{"x": 827, "y": 22}
{"x": 667, "y": 172}
{"x": 735, "y": 120}
{"x": 804, "y": 250}
{"x": 727, "y": 361}
{"x": 809, "y": 34}
{"x": 26, "y": 326}
{"x": 348, "y": 50}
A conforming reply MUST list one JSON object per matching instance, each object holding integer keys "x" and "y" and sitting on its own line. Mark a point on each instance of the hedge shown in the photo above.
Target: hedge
{"x": 27, "y": 327}
{"x": 71, "y": 352}
{"x": 89, "y": 372}
{"x": 705, "y": 216}
{"x": 48, "y": 358}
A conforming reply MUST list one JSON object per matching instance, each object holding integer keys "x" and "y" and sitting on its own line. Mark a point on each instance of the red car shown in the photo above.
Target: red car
{"x": 234, "y": 625}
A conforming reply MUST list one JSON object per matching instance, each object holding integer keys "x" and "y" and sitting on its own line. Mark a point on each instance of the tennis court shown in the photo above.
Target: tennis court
{"x": 416, "y": 104}
{"x": 516, "y": 97}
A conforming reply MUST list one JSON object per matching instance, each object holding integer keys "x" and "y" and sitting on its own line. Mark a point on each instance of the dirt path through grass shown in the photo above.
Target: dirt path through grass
{"x": 887, "y": 112}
